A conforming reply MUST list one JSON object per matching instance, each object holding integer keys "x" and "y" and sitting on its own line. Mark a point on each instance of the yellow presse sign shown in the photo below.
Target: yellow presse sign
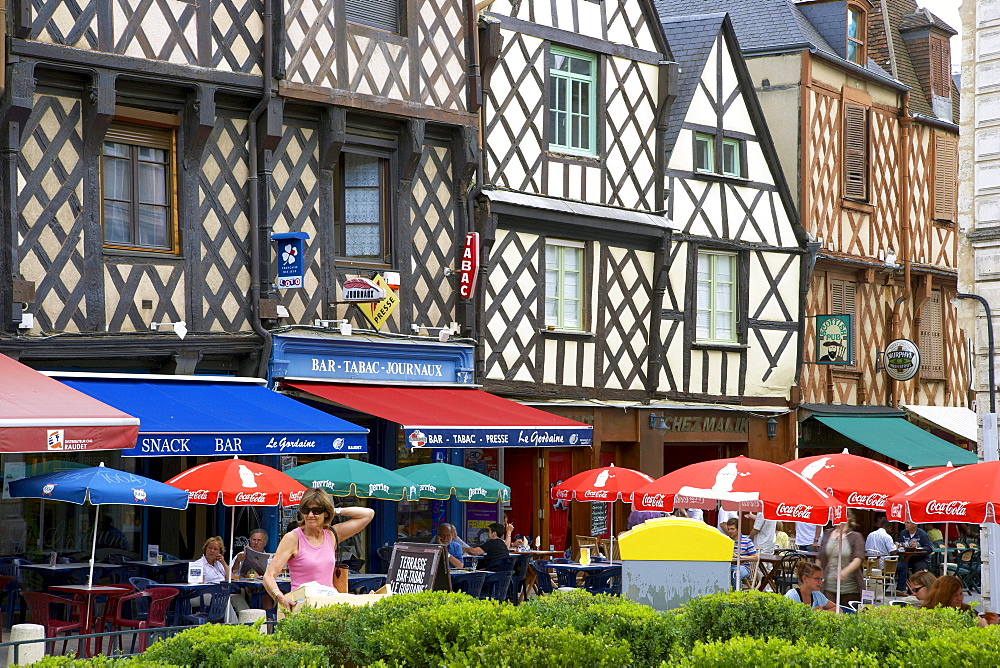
{"x": 378, "y": 312}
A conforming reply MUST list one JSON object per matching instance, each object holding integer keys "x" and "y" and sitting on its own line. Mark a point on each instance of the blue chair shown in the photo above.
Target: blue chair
{"x": 543, "y": 581}
{"x": 141, "y": 584}
{"x": 522, "y": 562}
{"x": 495, "y": 585}
{"x": 210, "y": 610}
{"x": 11, "y": 567}
{"x": 605, "y": 581}
{"x": 470, "y": 583}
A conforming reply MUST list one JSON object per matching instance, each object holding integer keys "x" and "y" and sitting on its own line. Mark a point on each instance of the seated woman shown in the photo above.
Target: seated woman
{"x": 920, "y": 583}
{"x": 947, "y": 592}
{"x": 810, "y": 587}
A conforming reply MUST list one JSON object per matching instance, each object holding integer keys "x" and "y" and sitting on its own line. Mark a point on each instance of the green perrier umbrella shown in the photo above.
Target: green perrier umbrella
{"x": 439, "y": 481}
{"x": 350, "y": 477}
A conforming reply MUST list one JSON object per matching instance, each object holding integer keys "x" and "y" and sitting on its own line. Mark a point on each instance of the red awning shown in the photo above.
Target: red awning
{"x": 40, "y": 414}
{"x": 455, "y": 417}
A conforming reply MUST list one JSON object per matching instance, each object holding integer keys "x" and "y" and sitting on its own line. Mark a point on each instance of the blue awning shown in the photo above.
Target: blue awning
{"x": 218, "y": 416}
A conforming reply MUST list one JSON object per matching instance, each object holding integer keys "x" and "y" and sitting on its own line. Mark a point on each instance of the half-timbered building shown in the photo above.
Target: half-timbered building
{"x": 151, "y": 153}
{"x": 862, "y": 107}
{"x": 601, "y": 232}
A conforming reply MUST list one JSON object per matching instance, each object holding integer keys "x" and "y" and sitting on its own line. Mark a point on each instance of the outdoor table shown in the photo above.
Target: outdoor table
{"x": 89, "y": 593}
{"x": 55, "y": 574}
{"x": 471, "y": 560}
{"x": 370, "y": 581}
{"x": 768, "y": 567}
{"x": 156, "y": 571}
{"x": 256, "y": 586}
{"x": 908, "y": 554}
{"x": 574, "y": 569}
{"x": 182, "y": 603}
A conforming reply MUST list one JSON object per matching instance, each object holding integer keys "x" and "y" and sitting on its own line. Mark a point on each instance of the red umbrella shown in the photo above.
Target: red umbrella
{"x": 858, "y": 482}
{"x": 742, "y": 483}
{"x": 962, "y": 494}
{"x": 921, "y": 475}
{"x": 608, "y": 483}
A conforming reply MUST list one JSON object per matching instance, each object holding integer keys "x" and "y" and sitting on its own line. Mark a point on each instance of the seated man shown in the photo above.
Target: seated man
{"x": 448, "y": 535}
{"x": 912, "y": 537}
{"x": 254, "y": 558}
{"x": 743, "y": 547}
{"x": 494, "y": 547}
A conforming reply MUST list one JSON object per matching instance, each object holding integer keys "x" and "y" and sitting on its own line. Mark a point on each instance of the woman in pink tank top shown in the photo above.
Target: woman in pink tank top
{"x": 310, "y": 551}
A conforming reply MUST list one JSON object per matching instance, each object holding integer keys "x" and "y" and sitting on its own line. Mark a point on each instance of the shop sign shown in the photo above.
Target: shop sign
{"x": 291, "y": 259}
{"x": 226, "y": 445}
{"x": 701, "y": 423}
{"x": 497, "y": 437}
{"x": 469, "y": 269}
{"x": 417, "y": 567}
{"x": 833, "y": 339}
{"x": 378, "y": 312}
{"x": 360, "y": 290}
{"x": 901, "y": 359}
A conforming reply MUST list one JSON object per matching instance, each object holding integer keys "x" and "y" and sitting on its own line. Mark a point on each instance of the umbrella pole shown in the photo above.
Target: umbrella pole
{"x": 93, "y": 552}
{"x": 944, "y": 568}
{"x": 739, "y": 543}
{"x": 232, "y": 557}
{"x": 840, "y": 567}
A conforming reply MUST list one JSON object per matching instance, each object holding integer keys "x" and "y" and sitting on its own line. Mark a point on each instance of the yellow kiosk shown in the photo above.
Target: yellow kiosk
{"x": 667, "y": 561}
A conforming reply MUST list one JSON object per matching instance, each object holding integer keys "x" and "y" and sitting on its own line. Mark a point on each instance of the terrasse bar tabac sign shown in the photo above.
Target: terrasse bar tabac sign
{"x": 834, "y": 344}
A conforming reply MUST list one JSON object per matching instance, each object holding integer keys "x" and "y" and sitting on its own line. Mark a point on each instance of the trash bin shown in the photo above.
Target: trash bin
{"x": 666, "y": 562}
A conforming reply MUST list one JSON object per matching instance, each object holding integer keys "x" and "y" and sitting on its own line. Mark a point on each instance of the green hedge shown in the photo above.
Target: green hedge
{"x": 541, "y": 648}
{"x": 774, "y": 653}
{"x": 753, "y": 614}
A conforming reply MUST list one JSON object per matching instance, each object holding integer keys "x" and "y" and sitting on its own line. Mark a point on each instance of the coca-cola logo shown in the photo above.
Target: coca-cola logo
{"x": 562, "y": 494}
{"x": 653, "y": 499}
{"x": 952, "y": 508}
{"x": 873, "y": 500}
{"x": 198, "y": 495}
{"x": 251, "y": 497}
{"x": 801, "y": 511}
{"x": 595, "y": 494}
{"x": 896, "y": 511}
{"x": 295, "y": 497}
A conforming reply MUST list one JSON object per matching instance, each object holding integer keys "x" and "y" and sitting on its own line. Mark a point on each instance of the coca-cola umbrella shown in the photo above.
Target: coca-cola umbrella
{"x": 968, "y": 494}
{"x": 920, "y": 475}
{"x": 238, "y": 482}
{"x": 607, "y": 483}
{"x": 742, "y": 483}
{"x": 859, "y": 482}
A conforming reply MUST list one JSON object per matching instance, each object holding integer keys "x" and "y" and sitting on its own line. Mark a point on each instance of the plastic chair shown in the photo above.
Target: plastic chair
{"x": 155, "y": 602}
{"x": 887, "y": 580}
{"x": 213, "y": 610}
{"x": 141, "y": 584}
{"x": 604, "y": 581}
{"x": 385, "y": 554}
{"x": 966, "y": 568}
{"x": 786, "y": 578}
{"x": 495, "y": 585}
{"x": 543, "y": 580}
{"x": 40, "y": 608}
{"x": 590, "y": 542}
{"x": 471, "y": 583}
{"x": 518, "y": 577}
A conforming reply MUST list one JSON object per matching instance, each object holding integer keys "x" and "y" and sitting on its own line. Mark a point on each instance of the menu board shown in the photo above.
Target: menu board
{"x": 418, "y": 567}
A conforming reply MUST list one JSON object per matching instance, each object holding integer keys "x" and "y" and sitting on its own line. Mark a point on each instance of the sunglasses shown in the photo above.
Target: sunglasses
{"x": 914, "y": 590}
{"x": 313, "y": 510}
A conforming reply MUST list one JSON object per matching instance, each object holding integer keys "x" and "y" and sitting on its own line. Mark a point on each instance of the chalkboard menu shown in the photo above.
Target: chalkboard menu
{"x": 598, "y": 518}
{"x": 418, "y": 567}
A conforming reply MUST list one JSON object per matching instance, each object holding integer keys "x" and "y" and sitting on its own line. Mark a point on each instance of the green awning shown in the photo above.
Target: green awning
{"x": 898, "y": 439}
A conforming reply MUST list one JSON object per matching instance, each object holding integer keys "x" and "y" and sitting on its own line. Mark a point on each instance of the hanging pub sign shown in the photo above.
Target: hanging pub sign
{"x": 291, "y": 259}
{"x": 833, "y": 339}
{"x": 360, "y": 290}
{"x": 378, "y": 312}
{"x": 902, "y": 359}
{"x": 469, "y": 267}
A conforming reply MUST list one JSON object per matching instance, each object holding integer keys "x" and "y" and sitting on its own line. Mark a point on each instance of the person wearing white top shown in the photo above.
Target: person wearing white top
{"x": 762, "y": 534}
{"x": 806, "y": 538}
{"x": 724, "y": 517}
{"x": 879, "y": 543}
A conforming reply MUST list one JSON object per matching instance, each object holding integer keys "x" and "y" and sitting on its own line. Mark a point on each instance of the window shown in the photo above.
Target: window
{"x": 382, "y": 14}
{"x": 856, "y": 36}
{"x": 855, "y": 151}
{"x": 716, "y": 319}
{"x": 842, "y": 300}
{"x": 137, "y": 184}
{"x": 564, "y": 284}
{"x": 940, "y": 67}
{"x": 704, "y": 155}
{"x": 945, "y": 177}
{"x": 572, "y": 108}
{"x": 932, "y": 338}
{"x": 362, "y": 212}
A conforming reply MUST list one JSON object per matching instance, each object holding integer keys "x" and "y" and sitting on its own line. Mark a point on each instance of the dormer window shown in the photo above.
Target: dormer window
{"x": 856, "y": 29}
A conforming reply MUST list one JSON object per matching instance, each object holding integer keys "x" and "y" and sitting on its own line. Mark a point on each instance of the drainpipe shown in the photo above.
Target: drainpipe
{"x": 254, "y": 187}
{"x": 904, "y": 219}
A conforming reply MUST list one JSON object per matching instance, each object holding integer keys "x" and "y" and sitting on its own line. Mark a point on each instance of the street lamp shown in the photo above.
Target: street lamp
{"x": 989, "y": 334}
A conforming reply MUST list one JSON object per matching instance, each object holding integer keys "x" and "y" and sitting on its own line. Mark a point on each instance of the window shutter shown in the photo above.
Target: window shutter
{"x": 945, "y": 177}
{"x": 842, "y": 302}
{"x": 940, "y": 67}
{"x": 855, "y": 152}
{"x": 931, "y": 338}
{"x": 382, "y": 14}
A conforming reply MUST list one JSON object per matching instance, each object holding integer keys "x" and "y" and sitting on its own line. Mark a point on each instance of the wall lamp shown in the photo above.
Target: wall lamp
{"x": 772, "y": 427}
{"x": 658, "y": 422}
{"x": 179, "y": 328}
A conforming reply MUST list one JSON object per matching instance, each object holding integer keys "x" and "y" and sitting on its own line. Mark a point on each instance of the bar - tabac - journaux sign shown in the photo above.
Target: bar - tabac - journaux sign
{"x": 833, "y": 339}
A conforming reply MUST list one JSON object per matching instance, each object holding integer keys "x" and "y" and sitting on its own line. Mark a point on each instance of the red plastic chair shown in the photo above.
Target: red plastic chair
{"x": 4, "y": 581}
{"x": 159, "y": 599}
{"x": 40, "y": 607}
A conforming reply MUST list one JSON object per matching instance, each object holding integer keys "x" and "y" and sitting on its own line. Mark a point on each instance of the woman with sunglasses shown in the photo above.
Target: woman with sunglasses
{"x": 919, "y": 584}
{"x": 810, "y": 587}
{"x": 310, "y": 551}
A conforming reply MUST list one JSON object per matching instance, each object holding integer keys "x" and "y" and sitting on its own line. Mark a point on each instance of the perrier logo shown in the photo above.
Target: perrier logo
{"x": 833, "y": 339}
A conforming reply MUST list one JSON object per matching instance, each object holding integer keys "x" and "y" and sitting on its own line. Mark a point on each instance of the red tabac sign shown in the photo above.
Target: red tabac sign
{"x": 470, "y": 266}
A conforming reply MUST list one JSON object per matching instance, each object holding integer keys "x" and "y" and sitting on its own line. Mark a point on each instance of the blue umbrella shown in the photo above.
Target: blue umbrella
{"x": 100, "y": 486}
